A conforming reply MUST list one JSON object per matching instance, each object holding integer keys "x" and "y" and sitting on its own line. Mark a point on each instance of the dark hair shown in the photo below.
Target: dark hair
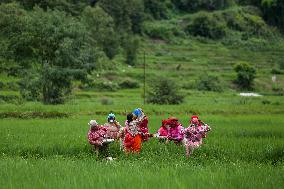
{"x": 129, "y": 117}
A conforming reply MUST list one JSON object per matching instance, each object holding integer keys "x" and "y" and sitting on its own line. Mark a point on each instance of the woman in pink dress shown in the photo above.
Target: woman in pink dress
{"x": 194, "y": 134}
{"x": 113, "y": 127}
{"x": 97, "y": 137}
{"x": 175, "y": 132}
{"x": 142, "y": 119}
{"x": 163, "y": 131}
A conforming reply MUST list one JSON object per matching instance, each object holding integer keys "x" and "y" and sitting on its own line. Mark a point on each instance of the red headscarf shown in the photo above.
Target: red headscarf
{"x": 194, "y": 119}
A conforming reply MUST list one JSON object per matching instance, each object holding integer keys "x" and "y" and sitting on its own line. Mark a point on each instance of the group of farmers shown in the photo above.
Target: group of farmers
{"x": 135, "y": 132}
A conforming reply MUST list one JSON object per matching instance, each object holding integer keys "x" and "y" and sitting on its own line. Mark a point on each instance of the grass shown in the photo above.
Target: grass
{"x": 242, "y": 151}
{"x": 89, "y": 102}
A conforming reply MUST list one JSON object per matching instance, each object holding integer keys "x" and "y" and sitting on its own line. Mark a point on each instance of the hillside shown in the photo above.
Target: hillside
{"x": 188, "y": 46}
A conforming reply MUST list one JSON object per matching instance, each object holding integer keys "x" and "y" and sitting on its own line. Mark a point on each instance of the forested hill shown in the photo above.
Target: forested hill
{"x": 50, "y": 48}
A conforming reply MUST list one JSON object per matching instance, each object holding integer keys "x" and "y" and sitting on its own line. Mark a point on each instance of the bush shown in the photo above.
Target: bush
{"x": 278, "y": 90}
{"x": 30, "y": 88}
{"x": 158, "y": 31}
{"x": 129, "y": 83}
{"x": 14, "y": 99}
{"x": 189, "y": 85}
{"x": 164, "y": 91}
{"x": 246, "y": 20}
{"x": 281, "y": 64}
{"x": 277, "y": 71}
{"x": 9, "y": 85}
{"x": 106, "y": 101}
{"x": 245, "y": 75}
{"x": 105, "y": 86}
{"x": 207, "y": 25}
{"x": 209, "y": 83}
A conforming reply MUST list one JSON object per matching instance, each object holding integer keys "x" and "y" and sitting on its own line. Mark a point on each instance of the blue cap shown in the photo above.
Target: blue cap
{"x": 111, "y": 115}
{"x": 137, "y": 112}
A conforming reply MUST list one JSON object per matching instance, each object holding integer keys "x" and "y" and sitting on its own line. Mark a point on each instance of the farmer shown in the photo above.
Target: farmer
{"x": 112, "y": 126}
{"x": 132, "y": 135}
{"x": 163, "y": 131}
{"x": 97, "y": 138}
{"x": 122, "y": 131}
{"x": 194, "y": 134}
{"x": 142, "y": 121}
{"x": 175, "y": 132}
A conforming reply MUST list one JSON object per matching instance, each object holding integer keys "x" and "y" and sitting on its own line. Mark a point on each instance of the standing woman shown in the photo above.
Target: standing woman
{"x": 142, "y": 119}
{"x": 132, "y": 136}
{"x": 194, "y": 134}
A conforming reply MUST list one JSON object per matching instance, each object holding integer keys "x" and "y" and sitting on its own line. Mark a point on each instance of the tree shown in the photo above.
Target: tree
{"x": 196, "y": 5}
{"x": 157, "y": 8}
{"x": 73, "y": 7}
{"x": 131, "y": 49}
{"x": 245, "y": 75}
{"x": 274, "y": 12}
{"x": 128, "y": 15}
{"x": 101, "y": 28}
{"x": 55, "y": 45}
{"x": 207, "y": 25}
{"x": 164, "y": 91}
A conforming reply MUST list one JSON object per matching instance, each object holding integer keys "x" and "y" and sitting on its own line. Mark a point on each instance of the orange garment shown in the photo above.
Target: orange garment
{"x": 136, "y": 147}
{"x": 132, "y": 143}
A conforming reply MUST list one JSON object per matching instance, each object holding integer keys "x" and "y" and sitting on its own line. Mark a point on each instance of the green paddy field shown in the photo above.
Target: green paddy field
{"x": 245, "y": 148}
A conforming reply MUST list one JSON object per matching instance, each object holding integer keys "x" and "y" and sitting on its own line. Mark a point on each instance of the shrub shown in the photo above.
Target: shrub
{"x": 129, "y": 83}
{"x": 105, "y": 85}
{"x": 164, "y": 91}
{"x": 207, "y": 25}
{"x": 30, "y": 88}
{"x": 245, "y": 75}
{"x": 246, "y": 20}
{"x": 158, "y": 31}
{"x": 10, "y": 99}
{"x": 278, "y": 90}
{"x": 281, "y": 64}
{"x": 189, "y": 85}
{"x": 277, "y": 71}
{"x": 106, "y": 101}
{"x": 209, "y": 83}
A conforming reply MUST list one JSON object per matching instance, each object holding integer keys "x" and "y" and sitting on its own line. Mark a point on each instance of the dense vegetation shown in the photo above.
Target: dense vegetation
{"x": 54, "y": 47}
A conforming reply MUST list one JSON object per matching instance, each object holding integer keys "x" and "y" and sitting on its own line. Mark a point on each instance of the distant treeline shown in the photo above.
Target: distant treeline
{"x": 131, "y": 13}
{"x": 51, "y": 43}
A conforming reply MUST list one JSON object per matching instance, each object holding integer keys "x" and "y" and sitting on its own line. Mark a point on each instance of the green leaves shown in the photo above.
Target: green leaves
{"x": 164, "y": 91}
{"x": 207, "y": 25}
{"x": 100, "y": 25}
{"x": 54, "y": 45}
{"x": 245, "y": 75}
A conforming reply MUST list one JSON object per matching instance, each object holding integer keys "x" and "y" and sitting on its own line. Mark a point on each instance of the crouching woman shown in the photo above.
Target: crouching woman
{"x": 97, "y": 137}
